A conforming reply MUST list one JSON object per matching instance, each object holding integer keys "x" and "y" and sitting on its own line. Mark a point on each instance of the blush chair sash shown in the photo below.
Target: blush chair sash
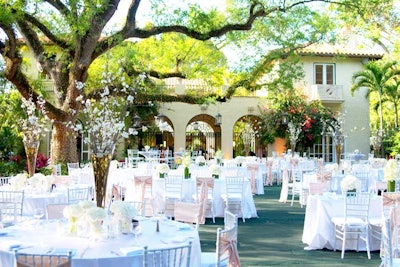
{"x": 205, "y": 183}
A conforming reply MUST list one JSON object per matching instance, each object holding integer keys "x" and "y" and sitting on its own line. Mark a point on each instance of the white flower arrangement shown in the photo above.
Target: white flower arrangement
{"x": 123, "y": 210}
{"x": 34, "y": 123}
{"x": 333, "y": 167}
{"x": 163, "y": 168}
{"x": 239, "y": 160}
{"x": 186, "y": 160}
{"x": 86, "y": 204}
{"x": 18, "y": 181}
{"x": 390, "y": 170}
{"x": 41, "y": 182}
{"x": 104, "y": 119}
{"x": 215, "y": 169}
{"x": 200, "y": 160}
{"x": 294, "y": 132}
{"x": 219, "y": 154}
{"x": 350, "y": 182}
{"x": 95, "y": 214}
{"x": 73, "y": 212}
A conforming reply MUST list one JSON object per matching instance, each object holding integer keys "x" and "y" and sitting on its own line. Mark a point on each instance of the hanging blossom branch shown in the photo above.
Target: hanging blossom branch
{"x": 104, "y": 120}
{"x": 33, "y": 124}
{"x": 338, "y": 135}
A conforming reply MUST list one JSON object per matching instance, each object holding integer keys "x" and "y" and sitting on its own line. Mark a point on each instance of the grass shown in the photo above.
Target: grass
{"x": 274, "y": 238}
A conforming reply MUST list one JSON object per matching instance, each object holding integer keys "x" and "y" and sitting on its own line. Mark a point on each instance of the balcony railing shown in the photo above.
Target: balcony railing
{"x": 326, "y": 92}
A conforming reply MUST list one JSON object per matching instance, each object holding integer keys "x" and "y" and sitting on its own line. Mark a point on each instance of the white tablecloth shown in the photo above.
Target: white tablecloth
{"x": 318, "y": 231}
{"x": 101, "y": 253}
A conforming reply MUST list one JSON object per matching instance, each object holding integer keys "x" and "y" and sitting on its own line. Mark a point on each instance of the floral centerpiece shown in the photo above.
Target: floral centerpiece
{"x": 186, "y": 161}
{"x": 18, "y": 181}
{"x": 294, "y": 133}
{"x": 350, "y": 183}
{"x": 215, "y": 170}
{"x": 218, "y": 156}
{"x": 73, "y": 212}
{"x": 95, "y": 216}
{"x": 162, "y": 169}
{"x": 239, "y": 160}
{"x": 103, "y": 120}
{"x": 32, "y": 127}
{"x": 41, "y": 183}
{"x": 123, "y": 212}
{"x": 200, "y": 160}
{"x": 390, "y": 174}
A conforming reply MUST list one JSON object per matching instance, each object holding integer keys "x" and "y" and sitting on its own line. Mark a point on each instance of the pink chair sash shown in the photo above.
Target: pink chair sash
{"x": 204, "y": 183}
{"x": 230, "y": 246}
{"x": 253, "y": 168}
{"x": 390, "y": 199}
{"x": 323, "y": 176}
{"x": 141, "y": 182}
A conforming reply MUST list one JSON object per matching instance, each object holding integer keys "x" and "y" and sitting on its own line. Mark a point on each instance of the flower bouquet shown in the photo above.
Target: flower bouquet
{"x": 41, "y": 183}
{"x": 239, "y": 160}
{"x": 162, "y": 169}
{"x": 186, "y": 160}
{"x": 200, "y": 160}
{"x": 219, "y": 155}
{"x": 18, "y": 181}
{"x": 350, "y": 183}
{"x": 390, "y": 174}
{"x": 95, "y": 216}
{"x": 123, "y": 212}
{"x": 215, "y": 170}
{"x": 72, "y": 213}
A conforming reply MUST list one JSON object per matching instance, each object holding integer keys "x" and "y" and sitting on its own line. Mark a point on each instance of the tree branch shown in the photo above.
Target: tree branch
{"x": 60, "y": 7}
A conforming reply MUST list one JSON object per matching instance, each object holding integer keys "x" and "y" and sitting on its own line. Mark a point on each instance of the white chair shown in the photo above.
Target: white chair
{"x": 55, "y": 211}
{"x": 143, "y": 191}
{"x": 187, "y": 212}
{"x": 230, "y": 220}
{"x": 354, "y": 224}
{"x": 78, "y": 194}
{"x": 363, "y": 176}
{"x": 205, "y": 196}
{"x": 11, "y": 205}
{"x": 234, "y": 197}
{"x": 226, "y": 253}
{"x": 133, "y": 157}
{"x": 178, "y": 256}
{"x": 74, "y": 171}
{"x": 26, "y": 259}
{"x": 4, "y": 181}
{"x": 172, "y": 192}
{"x": 388, "y": 255}
{"x": 389, "y": 200}
{"x": 296, "y": 186}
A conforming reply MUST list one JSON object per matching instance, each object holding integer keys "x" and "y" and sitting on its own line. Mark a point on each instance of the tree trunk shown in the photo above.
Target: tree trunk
{"x": 63, "y": 144}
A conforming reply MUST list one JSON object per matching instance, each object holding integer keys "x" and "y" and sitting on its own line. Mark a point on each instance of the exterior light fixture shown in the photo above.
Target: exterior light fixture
{"x": 285, "y": 118}
{"x": 218, "y": 119}
{"x": 137, "y": 121}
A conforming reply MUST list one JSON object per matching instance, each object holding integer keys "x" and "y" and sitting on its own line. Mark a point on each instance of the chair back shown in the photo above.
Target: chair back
{"x": 387, "y": 245}
{"x": 24, "y": 259}
{"x": 234, "y": 186}
{"x": 389, "y": 200}
{"x": 357, "y": 205}
{"x": 227, "y": 253}
{"x": 178, "y": 256}
{"x": 78, "y": 194}
{"x": 55, "y": 211}
{"x": 4, "y": 181}
{"x": 253, "y": 169}
{"x": 230, "y": 220}
{"x": 187, "y": 212}
{"x": 173, "y": 186}
{"x": 74, "y": 171}
{"x": 11, "y": 205}
{"x": 363, "y": 175}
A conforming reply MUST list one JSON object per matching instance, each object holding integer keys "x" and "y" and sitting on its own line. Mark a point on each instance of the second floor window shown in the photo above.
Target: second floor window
{"x": 324, "y": 73}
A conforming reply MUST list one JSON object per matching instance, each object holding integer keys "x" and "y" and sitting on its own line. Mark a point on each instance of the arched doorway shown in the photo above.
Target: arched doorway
{"x": 246, "y": 138}
{"x": 203, "y": 136}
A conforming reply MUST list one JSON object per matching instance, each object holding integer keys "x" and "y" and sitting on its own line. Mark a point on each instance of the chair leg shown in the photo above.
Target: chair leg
{"x": 343, "y": 244}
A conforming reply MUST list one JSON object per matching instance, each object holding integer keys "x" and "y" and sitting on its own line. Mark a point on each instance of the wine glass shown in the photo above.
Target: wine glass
{"x": 135, "y": 228}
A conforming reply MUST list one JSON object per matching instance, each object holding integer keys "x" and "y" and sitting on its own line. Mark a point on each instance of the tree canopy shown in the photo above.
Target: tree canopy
{"x": 67, "y": 37}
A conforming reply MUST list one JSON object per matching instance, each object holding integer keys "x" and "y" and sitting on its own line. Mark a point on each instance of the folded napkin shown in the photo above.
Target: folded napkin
{"x": 183, "y": 227}
{"x": 175, "y": 239}
{"x": 131, "y": 251}
{"x": 10, "y": 244}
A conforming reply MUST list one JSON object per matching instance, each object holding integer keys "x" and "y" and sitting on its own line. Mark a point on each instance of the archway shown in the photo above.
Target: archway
{"x": 203, "y": 136}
